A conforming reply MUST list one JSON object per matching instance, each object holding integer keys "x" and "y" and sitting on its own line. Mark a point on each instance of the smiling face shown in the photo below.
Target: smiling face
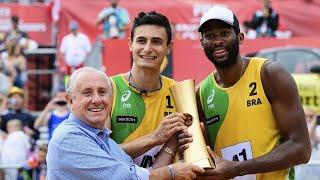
{"x": 221, "y": 43}
{"x": 149, "y": 46}
{"x": 90, "y": 100}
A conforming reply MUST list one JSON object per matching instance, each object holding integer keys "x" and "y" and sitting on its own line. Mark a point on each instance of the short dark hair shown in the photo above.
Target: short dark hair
{"x": 15, "y": 18}
{"x": 152, "y": 18}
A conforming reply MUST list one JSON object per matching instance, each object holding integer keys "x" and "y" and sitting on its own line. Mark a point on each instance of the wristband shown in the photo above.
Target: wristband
{"x": 172, "y": 172}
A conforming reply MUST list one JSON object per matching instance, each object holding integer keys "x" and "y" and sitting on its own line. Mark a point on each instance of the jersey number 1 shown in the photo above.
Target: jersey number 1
{"x": 169, "y": 105}
{"x": 242, "y": 153}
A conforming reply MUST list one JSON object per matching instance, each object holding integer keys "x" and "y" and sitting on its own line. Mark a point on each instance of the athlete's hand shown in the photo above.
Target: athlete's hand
{"x": 223, "y": 169}
{"x": 170, "y": 124}
{"x": 184, "y": 138}
{"x": 186, "y": 171}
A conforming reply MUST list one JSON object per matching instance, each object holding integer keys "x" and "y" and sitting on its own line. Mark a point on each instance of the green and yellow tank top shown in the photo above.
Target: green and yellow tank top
{"x": 134, "y": 115}
{"x": 240, "y": 122}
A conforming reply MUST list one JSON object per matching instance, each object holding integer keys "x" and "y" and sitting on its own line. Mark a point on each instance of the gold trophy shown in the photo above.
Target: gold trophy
{"x": 184, "y": 97}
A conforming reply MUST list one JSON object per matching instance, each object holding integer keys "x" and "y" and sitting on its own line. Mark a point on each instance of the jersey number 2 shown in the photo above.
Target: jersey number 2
{"x": 253, "y": 85}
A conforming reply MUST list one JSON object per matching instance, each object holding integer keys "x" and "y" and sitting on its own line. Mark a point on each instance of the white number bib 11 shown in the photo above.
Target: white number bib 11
{"x": 239, "y": 152}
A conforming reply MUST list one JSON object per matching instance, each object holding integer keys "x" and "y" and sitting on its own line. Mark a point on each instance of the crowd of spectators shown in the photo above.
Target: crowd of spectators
{"x": 13, "y": 64}
{"x": 17, "y": 133}
{"x": 19, "y": 127}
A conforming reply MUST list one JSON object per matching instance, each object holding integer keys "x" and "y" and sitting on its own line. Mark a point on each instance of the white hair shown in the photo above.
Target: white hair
{"x": 73, "y": 78}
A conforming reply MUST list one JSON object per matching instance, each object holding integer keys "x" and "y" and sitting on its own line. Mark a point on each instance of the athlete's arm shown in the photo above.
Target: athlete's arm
{"x": 294, "y": 147}
{"x": 167, "y": 154}
{"x": 170, "y": 125}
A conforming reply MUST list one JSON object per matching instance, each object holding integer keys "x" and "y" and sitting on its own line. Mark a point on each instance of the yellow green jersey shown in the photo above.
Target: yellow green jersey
{"x": 134, "y": 115}
{"x": 241, "y": 125}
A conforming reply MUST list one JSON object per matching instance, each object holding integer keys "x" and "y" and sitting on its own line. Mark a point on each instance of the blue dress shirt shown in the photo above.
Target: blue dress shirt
{"x": 78, "y": 151}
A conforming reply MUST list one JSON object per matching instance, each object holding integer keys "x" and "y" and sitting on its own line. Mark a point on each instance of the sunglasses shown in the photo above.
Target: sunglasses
{"x": 61, "y": 103}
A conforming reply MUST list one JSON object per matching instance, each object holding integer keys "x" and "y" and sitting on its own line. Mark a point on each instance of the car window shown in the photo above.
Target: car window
{"x": 267, "y": 55}
{"x": 297, "y": 61}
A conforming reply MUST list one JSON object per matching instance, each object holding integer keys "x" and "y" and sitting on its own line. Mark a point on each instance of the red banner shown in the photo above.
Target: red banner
{"x": 189, "y": 60}
{"x": 34, "y": 19}
{"x": 185, "y": 15}
{"x": 116, "y": 56}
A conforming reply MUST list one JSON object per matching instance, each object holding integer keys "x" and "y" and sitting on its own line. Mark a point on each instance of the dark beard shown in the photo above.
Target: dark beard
{"x": 233, "y": 52}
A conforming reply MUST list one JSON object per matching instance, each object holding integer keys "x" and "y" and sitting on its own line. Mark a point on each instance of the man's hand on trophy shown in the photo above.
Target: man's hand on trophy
{"x": 184, "y": 137}
{"x": 170, "y": 124}
{"x": 186, "y": 171}
{"x": 223, "y": 169}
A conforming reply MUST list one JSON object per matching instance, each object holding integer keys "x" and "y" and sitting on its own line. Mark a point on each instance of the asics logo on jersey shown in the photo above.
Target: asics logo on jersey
{"x": 210, "y": 100}
{"x": 125, "y": 96}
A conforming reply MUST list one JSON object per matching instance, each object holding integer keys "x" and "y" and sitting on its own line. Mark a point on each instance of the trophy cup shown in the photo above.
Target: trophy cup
{"x": 184, "y": 97}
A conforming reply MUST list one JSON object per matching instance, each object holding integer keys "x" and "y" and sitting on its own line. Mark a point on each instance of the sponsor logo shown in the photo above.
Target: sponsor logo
{"x": 127, "y": 119}
{"x": 125, "y": 96}
{"x": 212, "y": 120}
{"x": 210, "y": 100}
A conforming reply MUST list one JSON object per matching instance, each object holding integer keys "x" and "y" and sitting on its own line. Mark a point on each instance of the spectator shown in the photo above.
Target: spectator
{"x": 15, "y": 148}
{"x": 74, "y": 46}
{"x": 2, "y": 137}
{"x": 6, "y": 84}
{"x": 37, "y": 161}
{"x": 8, "y": 73}
{"x": 16, "y": 110}
{"x": 265, "y": 22}
{"x": 115, "y": 20}
{"x": 53, "y": 114}
{"x": 15, "y": 34}
{"x": 3, "y": 103}
{"x": 17, "y": 61}
{"x": 310, "y": 171}
{"x": 42, "y": 153}
{"x": 311, "y": 118}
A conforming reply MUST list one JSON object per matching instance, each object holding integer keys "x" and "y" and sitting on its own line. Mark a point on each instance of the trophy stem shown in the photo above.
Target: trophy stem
{"x": 184, "y": 97}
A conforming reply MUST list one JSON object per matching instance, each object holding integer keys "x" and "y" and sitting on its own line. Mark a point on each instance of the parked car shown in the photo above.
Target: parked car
{"x": 298, "y": 60}
{"x": 304, "y": 64}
